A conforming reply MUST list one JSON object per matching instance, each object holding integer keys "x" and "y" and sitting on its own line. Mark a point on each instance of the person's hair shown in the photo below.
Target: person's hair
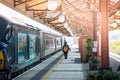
{"x": 65, "y": 43}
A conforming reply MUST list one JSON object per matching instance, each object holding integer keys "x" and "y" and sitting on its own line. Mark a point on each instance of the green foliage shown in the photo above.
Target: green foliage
{"x": 94, "y": 60}
{"x": 92, "y": 75}
{"x": 93, "y": 63}
{"x": 115, "y": 76}
{"x": 118, "y": 27}
{"x": 89, "y": 48}
{"x": 115, "y": 47}
{"x": 88, "y": 55}
{"x": 89, "y": 40}
{"x": 107, "y": 75}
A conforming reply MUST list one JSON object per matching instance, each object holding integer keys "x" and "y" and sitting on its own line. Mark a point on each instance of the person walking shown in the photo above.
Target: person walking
{"x": 65, "y": 49}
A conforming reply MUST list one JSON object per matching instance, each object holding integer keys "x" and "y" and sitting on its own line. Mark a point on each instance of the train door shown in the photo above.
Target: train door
{"x": 58, "y": 42}
{"x": 22, "y": 46}
{"x": 27, "y": 46}
{"x": 33, "y": 45}
{"x": 49, "y": 41}
{"x": 42, "y": 47}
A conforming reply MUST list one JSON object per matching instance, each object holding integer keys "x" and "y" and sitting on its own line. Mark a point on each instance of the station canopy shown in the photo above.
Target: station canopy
{"x": 69, "y": 17}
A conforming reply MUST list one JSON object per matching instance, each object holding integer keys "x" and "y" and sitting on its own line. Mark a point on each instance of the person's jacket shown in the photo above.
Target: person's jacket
{"x": 68, "y": 48}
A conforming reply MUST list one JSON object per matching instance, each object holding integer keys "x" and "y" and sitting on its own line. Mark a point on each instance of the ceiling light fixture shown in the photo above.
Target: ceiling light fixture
{"x": 61, "y": 17}
{"x": 50, "y": 14}
{"x": 52, "y": 4}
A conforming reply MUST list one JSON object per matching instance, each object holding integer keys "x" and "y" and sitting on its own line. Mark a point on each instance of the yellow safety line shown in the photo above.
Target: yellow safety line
{"x": 51, "y": 70}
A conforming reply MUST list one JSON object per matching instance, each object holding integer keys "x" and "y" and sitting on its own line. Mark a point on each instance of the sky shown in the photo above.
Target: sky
{"x": 114, "y": 35}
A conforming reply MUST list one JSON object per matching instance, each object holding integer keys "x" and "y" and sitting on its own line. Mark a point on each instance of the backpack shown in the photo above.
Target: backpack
{"x": 65, "y": 49}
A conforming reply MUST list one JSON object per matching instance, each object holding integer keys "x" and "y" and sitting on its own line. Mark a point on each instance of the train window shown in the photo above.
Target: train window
{"x": 49, "y": 43}
{"x": 58, "y": 42}
{"x": 32, "y": 40}
{"x": 22, "y": 45}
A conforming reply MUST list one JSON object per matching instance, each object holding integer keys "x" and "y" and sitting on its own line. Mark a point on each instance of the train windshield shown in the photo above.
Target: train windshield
{"x": 3, "y": 28}
{"x": 2, "y": 45}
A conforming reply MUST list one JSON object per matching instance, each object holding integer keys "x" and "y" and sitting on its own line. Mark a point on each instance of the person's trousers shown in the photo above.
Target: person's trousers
{"x": 65, "y": 55}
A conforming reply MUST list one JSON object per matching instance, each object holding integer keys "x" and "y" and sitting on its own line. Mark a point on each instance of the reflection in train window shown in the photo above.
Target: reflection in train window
{"x": 32, "y": 39}
{"x": 58, "y": 42}
{"x": 22, "y": 44}
{"x": 49, "y": 42}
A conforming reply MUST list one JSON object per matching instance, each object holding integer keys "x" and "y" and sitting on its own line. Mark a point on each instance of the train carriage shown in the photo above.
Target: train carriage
{"x": 50, "y": 43}
{"x": 23, "y": 46}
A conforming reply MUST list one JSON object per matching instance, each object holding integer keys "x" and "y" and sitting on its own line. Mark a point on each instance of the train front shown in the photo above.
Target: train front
{"x": 4, "y": 41}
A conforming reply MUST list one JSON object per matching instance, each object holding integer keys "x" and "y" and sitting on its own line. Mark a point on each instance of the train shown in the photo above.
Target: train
{"x": 23, "y": 46}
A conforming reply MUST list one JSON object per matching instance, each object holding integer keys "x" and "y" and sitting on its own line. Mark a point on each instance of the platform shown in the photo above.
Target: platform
{"x": 58, "y": 68}
{"x": 68, "y": 69}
